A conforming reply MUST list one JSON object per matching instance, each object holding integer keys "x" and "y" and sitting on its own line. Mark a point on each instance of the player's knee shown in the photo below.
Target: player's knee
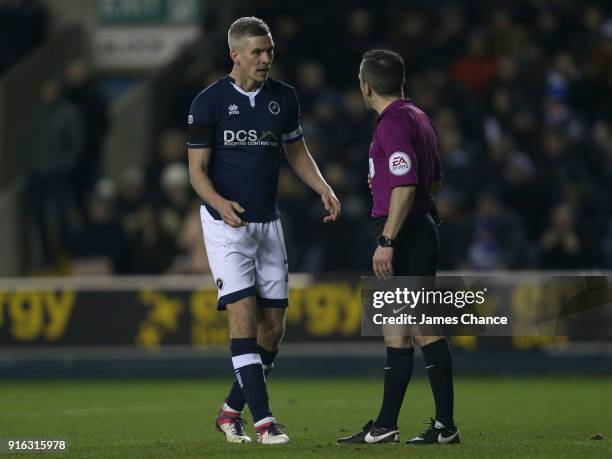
{"x": 398, "y": 341}
{"x": 276, "y": 334}
{"x": 425, "y": 340}
{"x": 271, "y": 336}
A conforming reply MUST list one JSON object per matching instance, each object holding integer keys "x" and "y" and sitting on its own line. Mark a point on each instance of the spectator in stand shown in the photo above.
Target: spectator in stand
{"x": 103, "y": 236}
{"x": 497, "y": 237}
{"x": 54, "y": 142}
{"x": 517, "y": 190}
{"x": 475, "y": 70}
{"x": 337, "y": 244}
{"x": 561, "y": 246}
{"x": 289, "y": 43}
{"x": 312, "y": 85}
{"x": 358, "y": 123}
{"x": 170, "y": 149}
{"x": 458, "y": 163}
{"x": 176, "y": 197}
{"x": 455, "y": 231}
{"x": 82, "y": 91}
{"x": 448, "y": 36}
{"x": 504, "y": 34}
{"x": 131, "y": 196}
{"x": 154, "y": 249}
{"x": 409, "y": 35}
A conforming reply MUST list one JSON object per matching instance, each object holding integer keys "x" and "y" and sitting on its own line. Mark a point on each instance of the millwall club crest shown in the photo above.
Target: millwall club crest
{"x": 274, "y": 107}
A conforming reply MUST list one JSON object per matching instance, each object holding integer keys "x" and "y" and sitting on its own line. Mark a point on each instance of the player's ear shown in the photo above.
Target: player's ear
{"x": 234, "y": 55}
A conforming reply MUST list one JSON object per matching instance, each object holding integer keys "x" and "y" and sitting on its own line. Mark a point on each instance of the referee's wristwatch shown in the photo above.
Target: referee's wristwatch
{"x": 384, "y": 241}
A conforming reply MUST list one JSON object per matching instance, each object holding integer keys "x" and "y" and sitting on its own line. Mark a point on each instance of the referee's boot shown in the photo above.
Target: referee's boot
{"x": 371, "y": 433}
{"x": 436, "y": 434}
{"x": 232, "y": 426}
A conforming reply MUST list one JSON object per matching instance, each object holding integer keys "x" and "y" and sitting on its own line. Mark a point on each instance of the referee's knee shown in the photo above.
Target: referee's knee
{"x": 398, "y": 342}
{"x": 425, "y": 340}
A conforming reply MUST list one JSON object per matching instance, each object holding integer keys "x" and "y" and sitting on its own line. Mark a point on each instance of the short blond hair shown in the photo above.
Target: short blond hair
{"x": 244, "y": 28}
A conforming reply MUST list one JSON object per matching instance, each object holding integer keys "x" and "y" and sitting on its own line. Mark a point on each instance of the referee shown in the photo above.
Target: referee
{"x": 404, "y": 174}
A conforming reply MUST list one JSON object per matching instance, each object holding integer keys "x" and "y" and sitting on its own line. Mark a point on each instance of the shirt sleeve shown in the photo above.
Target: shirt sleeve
{"x": 201, "y": 123}
{"x": 395, "y": 138}
{"x": 293, "y": 130}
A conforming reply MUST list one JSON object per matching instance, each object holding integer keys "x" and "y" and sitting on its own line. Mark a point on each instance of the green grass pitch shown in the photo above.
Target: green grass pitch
{"x": 498, "y": 417}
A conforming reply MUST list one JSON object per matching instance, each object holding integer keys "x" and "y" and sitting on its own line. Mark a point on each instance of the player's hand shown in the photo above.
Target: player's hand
{"x": 382, "y": 262}
{"x": 332, "y": 205}
{"x": 229, "y": 213}
{"x": 370, "y": 182}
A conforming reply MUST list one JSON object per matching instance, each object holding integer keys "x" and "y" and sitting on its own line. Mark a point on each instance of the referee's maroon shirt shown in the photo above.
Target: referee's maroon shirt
{"x": 404, "y": 152}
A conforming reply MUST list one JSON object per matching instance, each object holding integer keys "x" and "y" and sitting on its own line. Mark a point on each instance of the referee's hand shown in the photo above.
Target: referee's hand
{"x": 382, "y": 262}
{"x": 228, "y": 211}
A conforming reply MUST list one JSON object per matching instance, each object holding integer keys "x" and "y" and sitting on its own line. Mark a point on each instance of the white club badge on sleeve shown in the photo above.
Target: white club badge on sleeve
{"x": 399, "y": 163}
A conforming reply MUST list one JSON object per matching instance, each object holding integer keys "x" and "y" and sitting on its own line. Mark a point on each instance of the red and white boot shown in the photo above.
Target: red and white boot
{"x": 271, "y": 433}
{"x": 232, "y": 425}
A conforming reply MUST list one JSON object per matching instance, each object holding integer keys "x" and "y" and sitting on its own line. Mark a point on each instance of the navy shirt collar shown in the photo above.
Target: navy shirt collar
{"x": 266, "y": 84}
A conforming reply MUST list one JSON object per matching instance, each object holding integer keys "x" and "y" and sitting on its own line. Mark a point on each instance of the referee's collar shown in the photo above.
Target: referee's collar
{"x": 391, "y": 106}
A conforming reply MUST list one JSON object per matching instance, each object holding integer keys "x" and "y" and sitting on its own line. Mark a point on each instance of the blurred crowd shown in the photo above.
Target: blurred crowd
{"x": 81, "y": 222}
{"x": 520, "y": 94}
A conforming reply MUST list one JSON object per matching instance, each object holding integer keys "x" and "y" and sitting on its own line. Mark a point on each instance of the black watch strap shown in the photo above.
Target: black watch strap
{"x": 384, "y": 241}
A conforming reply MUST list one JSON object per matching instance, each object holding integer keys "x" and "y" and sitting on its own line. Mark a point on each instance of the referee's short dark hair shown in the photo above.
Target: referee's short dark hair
{"x": 383, "y": 70}
{"x": 244, "y": 28}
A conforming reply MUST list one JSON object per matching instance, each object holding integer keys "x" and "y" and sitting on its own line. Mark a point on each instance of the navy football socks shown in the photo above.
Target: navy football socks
{"x": 235, "y": 399}
{"x": 250, "y": 376}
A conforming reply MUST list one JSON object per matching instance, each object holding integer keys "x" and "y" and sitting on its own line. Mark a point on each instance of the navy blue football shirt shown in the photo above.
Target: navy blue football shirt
{"x": 245, "y": 131}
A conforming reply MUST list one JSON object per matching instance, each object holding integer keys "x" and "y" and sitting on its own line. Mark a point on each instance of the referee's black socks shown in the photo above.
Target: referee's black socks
{"x": 235, "y": 399}
{"x": 398, "y": 370}
{"x": 439, "y": 366}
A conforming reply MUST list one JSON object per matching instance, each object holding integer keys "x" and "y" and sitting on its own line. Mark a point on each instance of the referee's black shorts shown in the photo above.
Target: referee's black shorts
{"x": 417, "y": 246}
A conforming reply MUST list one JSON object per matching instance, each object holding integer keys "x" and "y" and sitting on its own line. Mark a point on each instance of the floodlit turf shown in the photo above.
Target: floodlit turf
{"x": 498, "y": 417}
